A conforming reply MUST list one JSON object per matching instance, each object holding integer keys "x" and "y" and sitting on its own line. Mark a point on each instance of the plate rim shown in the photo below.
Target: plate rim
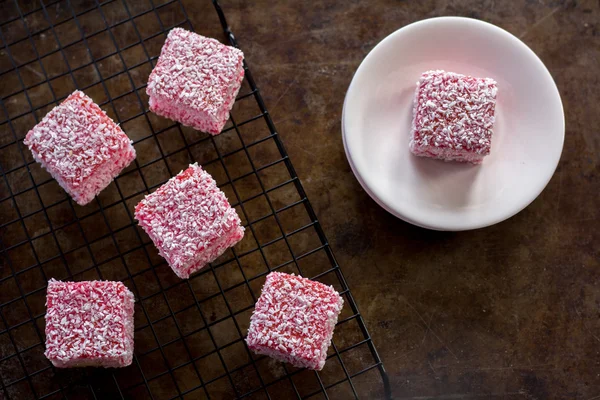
{"x": 468, "y": 225}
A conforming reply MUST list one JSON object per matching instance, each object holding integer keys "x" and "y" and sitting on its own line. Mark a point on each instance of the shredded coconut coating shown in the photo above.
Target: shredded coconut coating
{"x": 80, "y": 146}
{"x": 453, "y": 117}
{"x": 294, "y": 319}
{"x": 195, "y": 81}
{"x": 190, "y": 221}
{"x": 89, "y": 324}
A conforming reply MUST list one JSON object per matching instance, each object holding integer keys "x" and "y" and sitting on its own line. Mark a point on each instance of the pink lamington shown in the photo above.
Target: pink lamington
{"x": 80, "y": 146}
{"x": 189, "y": 220}
{"x": 89, "y": 324}
{"x": 294, "y": 319}
{"x": 195, "y": 81}
{"x": 453, "y": 117}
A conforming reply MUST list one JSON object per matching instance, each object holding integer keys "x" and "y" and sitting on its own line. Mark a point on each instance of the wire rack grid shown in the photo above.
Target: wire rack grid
{"x": 188, "y": 333}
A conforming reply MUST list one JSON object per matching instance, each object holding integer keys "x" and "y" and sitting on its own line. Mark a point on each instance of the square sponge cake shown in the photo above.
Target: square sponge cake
{"x": 294, "y": 319}
{"x": 89, "y": 324}
{"x": 80, "y": 146}
{"x": 453, "y": 117}
{"x": 190, "y": 221}
{"x": 195, "y": 81}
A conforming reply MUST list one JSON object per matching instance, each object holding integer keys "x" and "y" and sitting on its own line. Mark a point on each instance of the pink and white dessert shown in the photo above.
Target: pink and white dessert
{"x": 80, "y": 146}
{"x": 294, "y": 319}
{"x": 89, "y": 324}
{"x": 195, "y": 81}
{"x": 189, "y": 220}
{"x": 453, "y": 117}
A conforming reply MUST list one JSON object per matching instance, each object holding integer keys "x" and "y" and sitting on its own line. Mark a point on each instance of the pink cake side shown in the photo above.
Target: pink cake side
{"x": 95, "y": 183}
{"x": 189, "y": 220}
{"x": 89, "y": 324}
{"x": 80, "y": 146}
{"x": 199, "y": 120}
{"x": 213, "y": 251}
{"x": 294, "y": 319}
{"x": 453, "y": 116}
{"x": 195, "y": 81}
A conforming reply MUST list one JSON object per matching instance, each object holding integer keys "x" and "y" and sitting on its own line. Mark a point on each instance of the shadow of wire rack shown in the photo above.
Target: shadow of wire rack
{"x": 188, "y": 333}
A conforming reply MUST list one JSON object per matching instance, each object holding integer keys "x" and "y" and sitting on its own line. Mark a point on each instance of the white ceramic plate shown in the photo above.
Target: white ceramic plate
{"x": 528, "y": 133}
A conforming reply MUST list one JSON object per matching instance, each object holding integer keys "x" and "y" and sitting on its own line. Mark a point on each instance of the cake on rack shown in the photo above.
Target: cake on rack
{"x": 195, "y": 81}
{"x": 89, "y": 324}
{"x": 80, "y": 146}
{"x": 294, "y": 319}
{"x": 190, "y": 221}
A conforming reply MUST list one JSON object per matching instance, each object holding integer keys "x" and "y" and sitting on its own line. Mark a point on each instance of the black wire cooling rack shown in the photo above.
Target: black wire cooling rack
{"x": 189, "y": 333}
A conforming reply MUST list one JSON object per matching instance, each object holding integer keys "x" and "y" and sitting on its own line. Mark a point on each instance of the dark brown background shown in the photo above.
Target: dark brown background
{"x": 512, "y": 310}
